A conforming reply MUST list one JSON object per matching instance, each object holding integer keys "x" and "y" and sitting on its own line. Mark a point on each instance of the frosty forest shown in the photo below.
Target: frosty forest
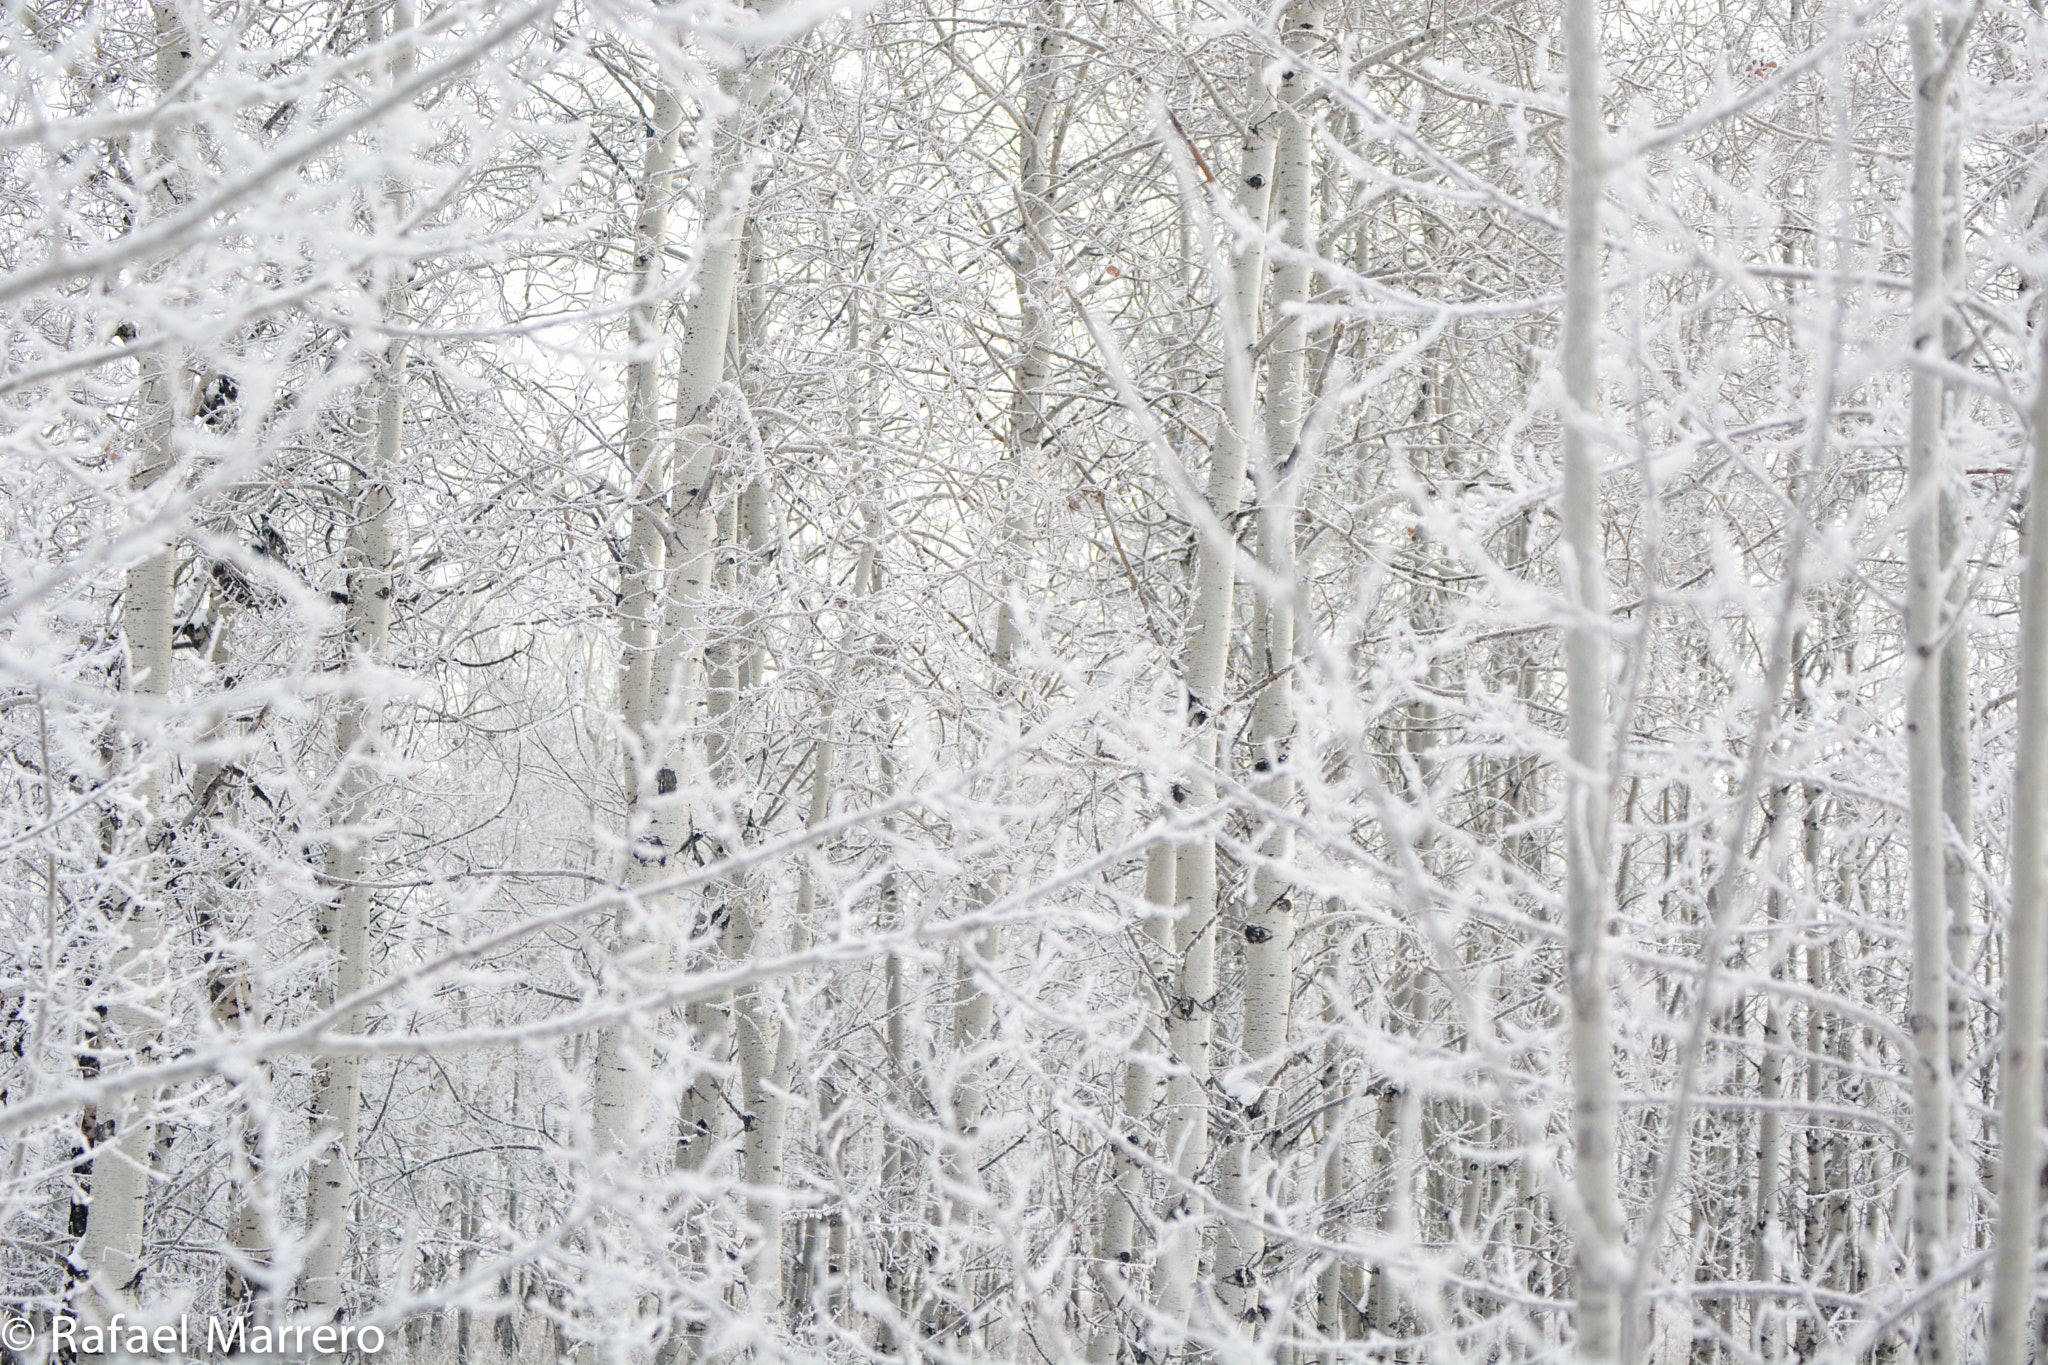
{"x": 1113, "y": 681}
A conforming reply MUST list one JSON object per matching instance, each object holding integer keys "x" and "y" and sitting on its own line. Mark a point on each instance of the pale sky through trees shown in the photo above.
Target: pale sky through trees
{"x": 1119, "y": 681}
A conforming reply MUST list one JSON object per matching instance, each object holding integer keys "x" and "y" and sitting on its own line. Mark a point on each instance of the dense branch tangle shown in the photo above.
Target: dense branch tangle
{"x": 1082, "y": 680}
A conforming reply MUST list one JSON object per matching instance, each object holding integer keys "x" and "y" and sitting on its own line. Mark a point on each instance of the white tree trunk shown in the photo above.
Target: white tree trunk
{"x": 1269, "y": 918}
{"x": 345, "y": 920}
{"x": 618, "y": 1085}
{"x": 1204, "y": 672}
{"x": 1927, "y": 816}
{"x": 1587, "y": 809}
{"x": 656, "y": 700}
{"x": 2026, "y": 957}
{"x": 1116, "y": 1238}
{"x": 1335, "y": 1317}
{"x": 1957, "y": 801}
{"x": 1770, "y": 1159}
{"x": 109, "y": 1253}
{"x": 766, "y": 1049}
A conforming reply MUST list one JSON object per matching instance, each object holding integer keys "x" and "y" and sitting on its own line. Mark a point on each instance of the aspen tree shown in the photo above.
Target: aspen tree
{"x": 618, "y": 1082}
{"x": 1030, "y": 259}
{"x": 1204, "y": 673}
{"x": 1957, "y": 795}
{"x": 1338, "y": 1290}
{"x": 1932, "y": 1098}
{"x": 902, "y": 1272}
{"x": 1116, "y": 1237}
{"x": 765, "y": 1050}
{"x": 2026, "y": 954}
{"x": 692, "y": 540}
{"x": 670, "y": 562}
{"x": 230, "y": 991}
{"x": 108, "y": 1257}
{"x": 1269, "y": 919}
{"x": 1586, "y": 814}
{"x": 836, "y": 1269}
{"x": 1770, "y": 1156}
{"x": 345, "y": 920}
{"x": 729, "y": 925}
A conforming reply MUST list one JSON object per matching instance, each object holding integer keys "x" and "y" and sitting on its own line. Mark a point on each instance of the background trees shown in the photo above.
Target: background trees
{"x": 1017, "y": 681}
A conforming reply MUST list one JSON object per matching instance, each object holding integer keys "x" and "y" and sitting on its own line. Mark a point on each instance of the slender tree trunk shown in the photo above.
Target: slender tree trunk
{"x": 2026, "y": 954}
{"x": 1956, "y": 777}
{"x": 903, "y": 1269}
{"x": 1043, "y": 65}
{"x": 766, "y": 1047}
{"x": 835, "y": 1270}
{"x": 729, "y": 927}
{"x": 1204, "y": 672}
{"x": 1269, "y": 919}
{"x": 657, "y": 685}
{"x": 618, "y": 1085}
{"x": 1928, "y": 846}
{"x": 1770, "y": 1157}
{"x": 762, "y": 1049}
{"x": 1116, "y": 1241}
{"x": 765, "y": 1148}
{"x": 671, "y": 555}
{"x": 231, "y": 993}
{"x": 344, "y": 924}
{"x": 1599, "y": 1248}
{"x": 108, "y": 1256}
{"x": 1336, "y": 1317}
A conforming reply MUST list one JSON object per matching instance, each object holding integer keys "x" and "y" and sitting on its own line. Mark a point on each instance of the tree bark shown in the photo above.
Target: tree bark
{"x": 2026, "y": 954}
{"x": 1927, "y": 816}
{"x": 1269, "y": 919}
{"x": 344, "y": 923}
{"x": 108, "y": 1256}
{"x": 1587, "y": 813}
{"x": 1204, "y": 672}
{"x": 1116, "y": 1240}
{"x": 651, "y": 778}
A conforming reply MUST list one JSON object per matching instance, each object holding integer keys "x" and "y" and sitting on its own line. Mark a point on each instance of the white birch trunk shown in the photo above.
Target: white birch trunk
{"x": 1335, "y": 1317}
{"x": 1957, "y": 802}
{"x": 619, "y": 1083}
{"x": 762, "y": 1049}
{"x": 1116, "y": 1238}
{"x": 692, "y": 546}
{"x": 712, "y": 1021}
{"x": 766, "y": 1049}
{"x": 1269, "y": 919}
{"x": 108, "y": 1256}
{"x": 659, "y": 669}
{"x": 1598, "y": 1254}
{"x": 1204, "y": 670}
{"x": 2026, "y": 956}
{"x": 1926, "y": 818}
{"x": 766, "y": 1076}
{"x": 344, "y": 922}
{"x": 1770, "y": 1159}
